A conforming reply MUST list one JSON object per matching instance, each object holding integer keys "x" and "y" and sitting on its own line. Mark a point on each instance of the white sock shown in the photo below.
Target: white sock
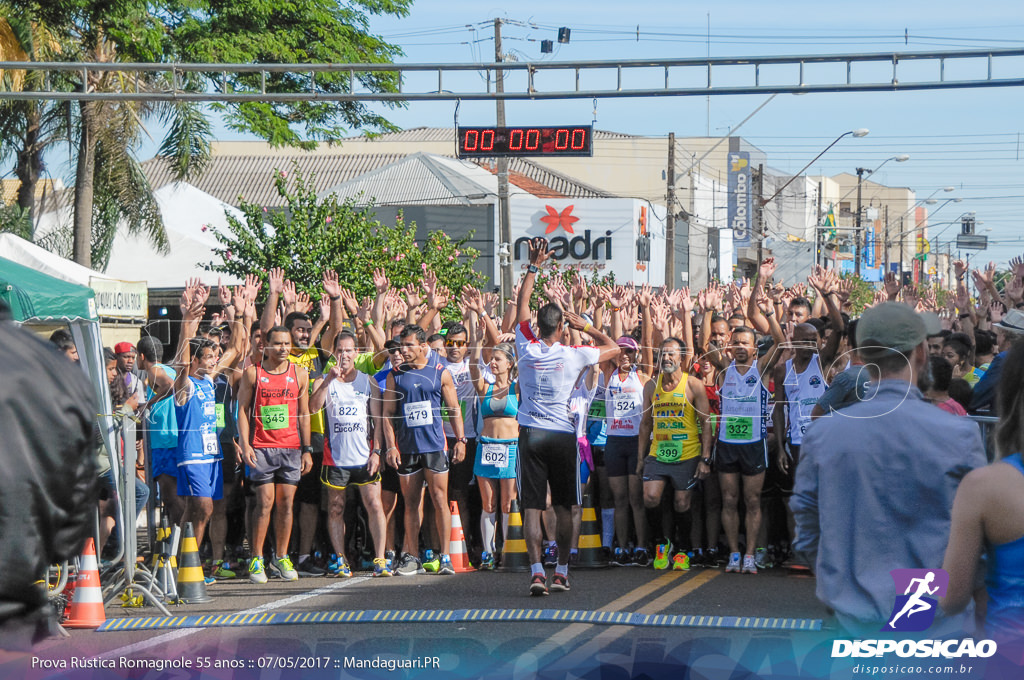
{"x": 487, "y": 526}
{"x": 607, "y": 526}
{"x": 562, "y": 569}
{"x": 504, "y": 526}
{"x": 537, "y": 568}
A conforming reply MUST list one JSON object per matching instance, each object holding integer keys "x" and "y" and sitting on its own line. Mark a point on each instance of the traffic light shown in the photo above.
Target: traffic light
{"x": 546, "y": 46}
{"x": 967, "y": 224}
{"x": 563, "y": 35}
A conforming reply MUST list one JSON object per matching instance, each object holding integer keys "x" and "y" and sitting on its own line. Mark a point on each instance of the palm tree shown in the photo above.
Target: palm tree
{"x": 103, "y": 136}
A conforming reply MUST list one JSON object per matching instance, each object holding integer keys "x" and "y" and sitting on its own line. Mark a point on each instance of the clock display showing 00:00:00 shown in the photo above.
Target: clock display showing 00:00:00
{"x": 525, "y": 141}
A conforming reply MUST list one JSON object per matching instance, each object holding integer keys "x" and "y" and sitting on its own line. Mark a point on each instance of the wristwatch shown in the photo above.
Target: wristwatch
{"x": 532, "y": 269}
{"x": 462, "y": 440}
{"x": 307, "y": 449}
{"x": 706, "y": 461}
{"x": 375, "y": 452}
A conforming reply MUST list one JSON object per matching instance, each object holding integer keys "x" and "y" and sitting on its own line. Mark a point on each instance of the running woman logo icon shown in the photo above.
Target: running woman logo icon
{"x": 915, "y": 609}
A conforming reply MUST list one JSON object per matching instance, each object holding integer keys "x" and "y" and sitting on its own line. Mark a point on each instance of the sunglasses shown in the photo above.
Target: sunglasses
{"x": 455, "y": 343}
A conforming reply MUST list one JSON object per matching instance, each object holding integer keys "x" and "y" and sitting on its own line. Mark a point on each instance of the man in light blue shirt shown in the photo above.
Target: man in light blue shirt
{"x": 875, "y": 485}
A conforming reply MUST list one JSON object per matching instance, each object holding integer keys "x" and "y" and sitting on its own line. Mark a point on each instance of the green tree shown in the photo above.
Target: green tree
{"x": 312, "y": 235}
{"x": 109, "y": 185}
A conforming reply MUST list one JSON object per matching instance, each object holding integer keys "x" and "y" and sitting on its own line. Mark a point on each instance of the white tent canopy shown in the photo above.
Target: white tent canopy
{"x": 186, "y": 210}
{"x": 29, "y": 254}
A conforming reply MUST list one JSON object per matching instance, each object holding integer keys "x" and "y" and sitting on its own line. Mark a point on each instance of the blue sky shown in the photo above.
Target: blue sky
{"x": 965, "y": 138}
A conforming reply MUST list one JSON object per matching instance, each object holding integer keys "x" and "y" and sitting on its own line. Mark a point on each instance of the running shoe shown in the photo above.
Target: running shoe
{"x": 307, "y": 567}
{"x": 486, "y": 561}
{"x": 661, "y": 555}
{"x": 430, "y": 562}
{"x": 446, "y": 568}
{"x": 381, "y": 567}
{"x": 285, "y": 566}
{"x": 409, "y": 565}
{"x": 734, "y": 563}
{"x": 574, "y": 558}
{"x": 681, "y": 562}
{"x": 761, "y": 559}
{"x": 712, "y": 558}
{"x": 621, "y": 558}
{"x": 339, "y": 567}
{"x": 221, "y": 571}
{"x": 641, "y": 558}
{"x": 538, "y": 585}
{"x": 209, "y": 580}
{"x": 559, "y": 583}
{"x": 551, "y": 555}
{"x": 389, "y": 555}
{"x": 256, "y": 571}
{"x": 749, "y": 567}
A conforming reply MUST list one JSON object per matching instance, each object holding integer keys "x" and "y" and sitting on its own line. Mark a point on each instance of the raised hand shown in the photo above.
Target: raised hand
{"x": 325, "y": 307}
{"x": 348, "y": 298}
{"x": 288, "y": 294}
{"x": 223, "y": 294}
{"x": 490, "y": 301}
{"x": 685, "y": 303}
{"x": 539, "y": 252}
{"x": 380, "y": 281}
{"x": 644, "y": 295}
{"x": 252, "y": 286}
{"x": 959, "y": 268}
{"x": 995, "y": 312}
{"x": 303, "y": 303}
{"x": 891, "y": 285}
{"x": 1017, "y": 266}
{"x": 766, "y": 270}
{"x": 275, "y": 279}
{"x": 413, "y": 299}
{"x": 1014, "y": 289}
{"x": 331, "y": 286}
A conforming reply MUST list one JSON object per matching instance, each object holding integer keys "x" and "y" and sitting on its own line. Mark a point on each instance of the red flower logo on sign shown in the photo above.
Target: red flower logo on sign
{"x": 554, "y": 219}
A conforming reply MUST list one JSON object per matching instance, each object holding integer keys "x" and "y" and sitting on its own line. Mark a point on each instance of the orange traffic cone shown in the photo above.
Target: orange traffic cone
{"x": 87, "y": 605}
{"x": 457, "y": 545}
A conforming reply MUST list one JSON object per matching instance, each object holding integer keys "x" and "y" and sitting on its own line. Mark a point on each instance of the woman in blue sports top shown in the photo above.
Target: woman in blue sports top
{"x": 988, "y": 514}
{"x": 495, "y": 465}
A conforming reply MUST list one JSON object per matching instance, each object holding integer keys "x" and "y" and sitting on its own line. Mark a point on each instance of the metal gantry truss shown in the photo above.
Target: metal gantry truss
{"x": 867, "y": 72}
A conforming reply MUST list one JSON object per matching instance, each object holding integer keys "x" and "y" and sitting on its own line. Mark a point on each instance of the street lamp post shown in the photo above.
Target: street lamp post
{"x": 930, "y": 201}
{"x": 859, "y": 132}
{"x": 861, "y": 173}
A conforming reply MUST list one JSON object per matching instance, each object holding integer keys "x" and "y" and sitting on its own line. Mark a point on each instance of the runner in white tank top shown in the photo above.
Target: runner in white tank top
{"x": 352, "y": 451}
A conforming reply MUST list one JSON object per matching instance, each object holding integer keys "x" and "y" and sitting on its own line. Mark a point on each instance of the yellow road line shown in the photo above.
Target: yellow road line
{"x": 569, "y": 633}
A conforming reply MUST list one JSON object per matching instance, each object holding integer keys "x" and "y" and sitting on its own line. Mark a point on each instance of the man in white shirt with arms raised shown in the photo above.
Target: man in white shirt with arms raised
{"x": 547, "y": 440}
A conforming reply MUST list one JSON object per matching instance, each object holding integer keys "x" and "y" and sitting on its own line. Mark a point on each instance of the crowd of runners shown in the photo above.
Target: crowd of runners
{"x": 305, "y": 439}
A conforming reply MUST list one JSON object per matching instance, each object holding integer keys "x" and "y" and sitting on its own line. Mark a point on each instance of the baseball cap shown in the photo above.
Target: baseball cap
{"x": 1013, "y": 322}
{"x": 627, "y": 342}
{"x": 123, "y": 348}
{"x": 895, "y": 326}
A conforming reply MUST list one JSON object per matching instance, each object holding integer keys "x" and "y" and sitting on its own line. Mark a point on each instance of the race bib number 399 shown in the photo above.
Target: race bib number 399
{"x": 419, "y": 414}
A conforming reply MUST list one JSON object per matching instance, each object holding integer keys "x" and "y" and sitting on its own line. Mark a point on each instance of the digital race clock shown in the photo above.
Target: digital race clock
{"x": 489, "y": 142}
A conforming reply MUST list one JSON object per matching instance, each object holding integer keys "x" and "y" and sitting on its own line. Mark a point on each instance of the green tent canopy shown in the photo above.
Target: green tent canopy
{"x": 34, "y": 296}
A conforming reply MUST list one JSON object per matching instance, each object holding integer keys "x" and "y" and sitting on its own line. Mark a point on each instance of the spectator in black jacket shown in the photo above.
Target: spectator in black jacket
{"x": 48, "y": 488}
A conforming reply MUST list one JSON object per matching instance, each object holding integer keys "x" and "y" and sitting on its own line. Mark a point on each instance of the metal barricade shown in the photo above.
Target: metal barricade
{"x": 987, "y": 424}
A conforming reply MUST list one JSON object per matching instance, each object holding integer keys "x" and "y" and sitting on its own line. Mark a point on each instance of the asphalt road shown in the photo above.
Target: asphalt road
{"x": 514, "y": 648}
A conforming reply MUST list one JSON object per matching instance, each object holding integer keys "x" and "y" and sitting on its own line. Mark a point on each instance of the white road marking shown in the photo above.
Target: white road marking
{"x": 276, "y": 604}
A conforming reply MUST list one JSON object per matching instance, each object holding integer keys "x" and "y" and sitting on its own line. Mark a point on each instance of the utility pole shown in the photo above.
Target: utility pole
{"x": 670, "y": 216}
{"x": 818, "y": 232}
{"x": 885, "y": 240}
{"x": 759, "y": 215}
{"x": 856, "y": 232}
{"x": 504, "y": 215}
{"x": 902, "y": 238}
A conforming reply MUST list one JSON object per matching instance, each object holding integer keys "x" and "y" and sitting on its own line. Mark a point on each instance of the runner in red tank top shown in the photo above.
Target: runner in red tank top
{"x": 273, "y": 428}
